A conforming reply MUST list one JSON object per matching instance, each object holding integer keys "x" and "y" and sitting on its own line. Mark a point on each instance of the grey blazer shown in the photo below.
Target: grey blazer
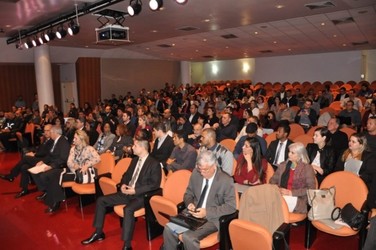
{"x": 221, "y": 199}
{"x": 107, "y": 142}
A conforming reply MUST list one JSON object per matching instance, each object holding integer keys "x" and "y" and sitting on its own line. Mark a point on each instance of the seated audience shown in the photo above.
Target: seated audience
{"x": 163, "y": 144}
{"x": 341, "y": 95}
{"x": 220, "y": 201}
{"x": 270, "y": 121}
{"x": 251, "y": 166}
{"x": 195, "y": 138}
{"x": 225, "y": 130}
{"x": 371, "y": 134}
{"x": 353, "y": 114}
{"x": 321, "y": 154}
{"x": 251, "y": 131}
{"x": 54, "y": 164}
{"x": 357, "y": 103}
{"x": 184, "y": 126}
{"x": 285, "y": 113}
{"x": 183, "y": 155}
{"x": 371, "y": 112}
{"x": 142, "y": 176}
{"x": 306, "y": 116}
{"x": 211, "y": 117}
{"x": 122, "y": 139}
{"x": 357, "y": 155}
{"x": 338, "y": 139}
{"x": 277, "y": 151}
{"x": 105, "y": 138}
{"x": 29, "y": 160}
{"x": 224, "y": 156}
{"x": 295, "y": 176}
{"x": 13, "y": 124}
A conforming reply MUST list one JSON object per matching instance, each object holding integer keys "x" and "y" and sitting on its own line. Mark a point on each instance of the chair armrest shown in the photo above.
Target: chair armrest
{"x": 224, "y": 234}
{"x": 153, "y": 229}
{"x": 180, "y": 206}
{"x": 281, "y": 237}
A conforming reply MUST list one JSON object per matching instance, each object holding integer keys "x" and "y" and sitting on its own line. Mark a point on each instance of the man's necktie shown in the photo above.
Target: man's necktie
{"x": 203, "y": 194}
{"x": 277, "y": 155}
{"x": 135, "y": 174}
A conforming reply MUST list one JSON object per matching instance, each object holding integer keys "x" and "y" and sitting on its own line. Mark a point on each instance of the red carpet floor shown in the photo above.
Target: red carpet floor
{"x": 24, "y": 225}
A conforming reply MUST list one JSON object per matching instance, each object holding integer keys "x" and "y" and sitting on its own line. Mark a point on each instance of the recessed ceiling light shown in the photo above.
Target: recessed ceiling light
{"x": 279, "y": 6}
{"x": 8, "y": 26}
{"x": 227, "y": 47}
{"x": 196, "y": 50}
{"x": 206, "y": 20}
{"x": 204, "y": 40}
{"x": 256, "y": 32}
{"x": 86, "y": 46}
{"x": 147, "y": 48}
{"x": 154, "y": 31}
{"x": 344, "y": 44}
{"x": 322, "y": 24}
{"x": 274, "y": 42}
{"x": 171, "y": 54}
{"x": 334, "y": 35}
{"x": 173, "y": 44}
{"x": 289, "y": 49}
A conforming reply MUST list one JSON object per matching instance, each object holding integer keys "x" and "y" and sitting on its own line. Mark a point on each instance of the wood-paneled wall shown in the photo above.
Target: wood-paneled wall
{"x": 88, "y": 71}
{"x": 19, "y": 79}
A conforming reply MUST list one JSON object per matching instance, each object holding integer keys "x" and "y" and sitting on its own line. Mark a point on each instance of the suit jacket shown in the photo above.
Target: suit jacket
{"x": 304, "y": 178}
{"x": 326, "y": 159}
{"x": 107, "y": 142}
{"x": 272, "y": 150}
{"x": 221, "y": 198}
{"x": 338, "y": 97}
{"x": 59, "y": 156}
{"x": 293, "y": 101}
{"x": 162, "y": 153}
{"x": 117, "y": 146}
{"x": 44, "y": 148}
{"x": 149, "y": 178}
{"x": 194, "y": 118}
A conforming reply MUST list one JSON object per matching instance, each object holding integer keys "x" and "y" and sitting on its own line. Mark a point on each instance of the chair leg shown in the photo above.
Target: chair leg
{"x": 310, "y": 234}
{"x": 81, "y": 207}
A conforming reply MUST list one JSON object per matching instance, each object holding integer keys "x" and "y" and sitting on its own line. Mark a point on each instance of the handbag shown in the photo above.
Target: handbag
{"x": 322, "y": 203}
{"x": 352, "y": 217}
{"x": 88, "y": 177}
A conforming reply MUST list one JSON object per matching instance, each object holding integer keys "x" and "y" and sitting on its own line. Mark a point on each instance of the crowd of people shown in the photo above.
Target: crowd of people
{"x": 181, "y": 128}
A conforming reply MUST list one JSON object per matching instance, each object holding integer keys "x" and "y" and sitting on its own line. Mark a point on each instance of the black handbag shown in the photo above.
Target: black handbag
{"x": 88, "y": 177}
{"x": 351, "y": 216}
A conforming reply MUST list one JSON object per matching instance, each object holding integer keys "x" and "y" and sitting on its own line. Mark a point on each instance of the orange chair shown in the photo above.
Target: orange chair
{"x": 348, "y": 131}
{"x": 257, "y": 233}
{"x": 356, "y": 194}
{"x": 305, "y": 139}
{"x": 329, "y": 110}
{"x": 229, "y": 144}
{"x": 271, "y": 137}
{"x": 295, "y": 131}
{"x": 311, "y": 131}
{"x": 336, "y": 106}
{"x": 119, "y": 209}
{"x": 173, "y": 193}
{"x": 106, "y": 165}
{"x": 108, "y": 185}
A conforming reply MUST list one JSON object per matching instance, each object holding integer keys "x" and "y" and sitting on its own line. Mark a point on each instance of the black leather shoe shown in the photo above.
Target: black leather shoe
{"x": 94, "y": 237}
{"x": 41, "y": 197}
{"x": 126, "y": 248}
{"x": 53, "y": 209}
{"x": 22, "y": 193}
{"x": 6, "y": 177}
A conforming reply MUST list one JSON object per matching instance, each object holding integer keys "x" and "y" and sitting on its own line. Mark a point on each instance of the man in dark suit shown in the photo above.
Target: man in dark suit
{"x": 291, "y": 99}
{"x": 142, "y": 176}
{"x": 13, "y": 124}
{"x": 210, "y": 194}
{"x": 29, "y": 160}
{"x": 278, "y": 150}
{"x": 54, "y": 163}
{"x": 193, "y": 115}
{"x": 163, "y": 144}
{"x": 341, "y": 95}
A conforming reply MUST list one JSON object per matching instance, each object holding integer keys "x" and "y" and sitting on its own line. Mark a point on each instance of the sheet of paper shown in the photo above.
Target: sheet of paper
{"x": 37, "y": 169}
{"x": 291, "y": 202}
{"x": 176, "y": 228}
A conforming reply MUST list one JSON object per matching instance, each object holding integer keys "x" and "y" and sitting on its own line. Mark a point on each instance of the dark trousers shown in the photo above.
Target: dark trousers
{"x": 4, "y": 139}
{"x": 370, "y": 243}
{"x": 132, "y": 203}
{"x": 21, "y": 168}
{"x": 49, "y": 182}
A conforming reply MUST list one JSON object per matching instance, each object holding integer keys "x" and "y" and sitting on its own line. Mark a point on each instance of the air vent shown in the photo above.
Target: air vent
{"x": 188, "y": 28}
{"x": 343, "y": 20}
{"x": 360, "y": 43}
{"x": 266, "y": 51}
{"x": 164, "y": 45}
{"x": 319, "y": 5}
{"x": 208, "y": 56}
{"x": 229, "y": 36}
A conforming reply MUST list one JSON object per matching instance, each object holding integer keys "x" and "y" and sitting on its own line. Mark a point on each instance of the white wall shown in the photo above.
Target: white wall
{"x": 344, "y": 66}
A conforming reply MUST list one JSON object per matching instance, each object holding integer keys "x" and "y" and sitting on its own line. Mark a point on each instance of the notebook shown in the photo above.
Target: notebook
{"x": 185, "y": 219}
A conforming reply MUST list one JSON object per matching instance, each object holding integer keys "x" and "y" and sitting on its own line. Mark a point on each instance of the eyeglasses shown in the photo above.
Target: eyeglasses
{"x": 203, "y": 170}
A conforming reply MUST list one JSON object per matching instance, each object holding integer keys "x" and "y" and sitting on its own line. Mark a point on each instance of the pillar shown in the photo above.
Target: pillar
{"x": 43, "y": 74}
{"x": 185, "y": 72}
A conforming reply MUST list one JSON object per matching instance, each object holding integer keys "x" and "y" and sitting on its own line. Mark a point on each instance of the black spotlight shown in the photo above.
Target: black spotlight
{"x": 134, "y": 7}
{"x": 155, "y": 4}
{"x": 42, "y": 39}
{"x": 28, "y": 44}
{"x": 73, "y": 28}
{"x": 49, "y": 36}
{"x": 61, "y": 32}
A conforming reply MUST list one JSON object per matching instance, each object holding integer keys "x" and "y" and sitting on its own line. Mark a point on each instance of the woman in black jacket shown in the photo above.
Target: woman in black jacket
{"x": 321, "y": 154}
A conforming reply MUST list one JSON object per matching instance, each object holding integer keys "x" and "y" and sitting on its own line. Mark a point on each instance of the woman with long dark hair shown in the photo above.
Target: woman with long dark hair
{"x": 251, "y": 167}
{"x": 321, "y": 154}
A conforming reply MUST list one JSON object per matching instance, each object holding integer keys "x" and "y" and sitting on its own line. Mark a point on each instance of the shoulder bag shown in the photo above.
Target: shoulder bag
{"x": 89, "y": 177}
{"x": 321, "y": 202}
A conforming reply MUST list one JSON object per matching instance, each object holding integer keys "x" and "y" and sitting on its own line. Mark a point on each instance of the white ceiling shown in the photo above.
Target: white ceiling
{"x": 258, "y": 25}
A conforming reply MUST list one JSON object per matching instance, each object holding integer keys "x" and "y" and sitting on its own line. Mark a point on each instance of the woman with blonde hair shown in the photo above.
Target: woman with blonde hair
{"x": 295, "y": 176}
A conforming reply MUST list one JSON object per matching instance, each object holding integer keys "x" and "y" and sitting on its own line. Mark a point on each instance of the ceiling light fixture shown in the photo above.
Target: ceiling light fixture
{"x": 181, "y": 1}
{"x": 49, "y": 36}
{"x": 61, "y": 32}
{"x": 74, "y": 28}
{"x": 28, "y": 44}
{"x": 155, "y": 4}
{"x": 134, "y": 7}
{"x": 42, "y": 39}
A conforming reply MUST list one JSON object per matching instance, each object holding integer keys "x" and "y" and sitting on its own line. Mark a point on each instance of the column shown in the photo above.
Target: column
{"x": 185, "y": 72}
{"x": 43, "y": 74}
